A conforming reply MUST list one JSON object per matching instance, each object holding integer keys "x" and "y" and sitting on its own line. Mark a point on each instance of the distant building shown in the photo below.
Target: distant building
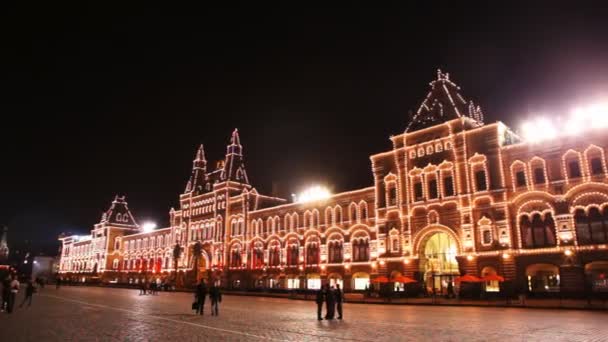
{"x": 452, "y": 196}
{"x": 44, "y": 267}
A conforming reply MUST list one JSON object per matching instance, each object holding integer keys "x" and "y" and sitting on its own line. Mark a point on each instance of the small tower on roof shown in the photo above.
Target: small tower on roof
{"x": 443, "y": 103}
{"x": 119, "y": 214}
{"x": 234, "y": 166}
{"x": 198, "y": 178}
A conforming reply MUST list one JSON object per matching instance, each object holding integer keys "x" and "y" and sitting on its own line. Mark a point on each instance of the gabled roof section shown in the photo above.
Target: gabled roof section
{"x": 119, "y": 214}
{"x": 443, "y": 103}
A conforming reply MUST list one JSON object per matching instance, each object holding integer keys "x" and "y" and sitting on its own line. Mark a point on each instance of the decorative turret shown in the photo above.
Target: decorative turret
{"x": 198, "y": 178}
{"x": 443, "y": 103}
{"x": 119, "y": 214}
{"x": 234, "y": 167}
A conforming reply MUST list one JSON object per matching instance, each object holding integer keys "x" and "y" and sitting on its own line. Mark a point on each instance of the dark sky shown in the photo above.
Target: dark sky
{"x": 101, "y": 101}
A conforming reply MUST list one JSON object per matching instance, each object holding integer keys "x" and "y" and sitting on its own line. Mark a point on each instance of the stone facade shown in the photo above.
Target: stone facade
{"x": 452, "y": 196}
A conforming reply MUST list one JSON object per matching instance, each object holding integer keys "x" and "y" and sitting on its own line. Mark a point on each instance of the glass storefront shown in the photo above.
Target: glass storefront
{"x": 293, "y": 283}
{"x": 360, "y": 281}
{"x": 543, "y": 278}
{"x": 313, "y": 282}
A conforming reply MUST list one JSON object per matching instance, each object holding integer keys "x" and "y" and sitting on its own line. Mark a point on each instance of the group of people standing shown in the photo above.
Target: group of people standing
{"x": 10, "y": 289}
{"x": 333, "y": 299}
{"x": 201, "y": 292}
{"x": 148, "y": 288}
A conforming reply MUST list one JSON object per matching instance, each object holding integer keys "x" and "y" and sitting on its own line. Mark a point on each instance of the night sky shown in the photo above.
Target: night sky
{"x": 100, "y": 101}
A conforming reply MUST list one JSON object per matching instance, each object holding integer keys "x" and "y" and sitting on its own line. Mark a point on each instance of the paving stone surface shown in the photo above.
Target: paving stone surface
{"x": 101, "y": 314}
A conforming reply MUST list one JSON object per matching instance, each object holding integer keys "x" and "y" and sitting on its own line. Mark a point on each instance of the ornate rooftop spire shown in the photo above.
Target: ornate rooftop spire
{"x": 443, "y": 103}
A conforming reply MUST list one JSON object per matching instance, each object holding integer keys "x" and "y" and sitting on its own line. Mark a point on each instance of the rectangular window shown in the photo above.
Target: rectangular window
{"x": 539, "y": 176}
{"x": 487, "y": 237}
{"x": 575, "y": 170}
{"x": 418, "y": 191}
{"x": 596, "y": 166}
{"x": 520, "y": 178}
{"x": 448, "y": 186}
{"x": 392, "y": 196}
{"x": 432, "y": 188}
{"x": 480, "y": 180}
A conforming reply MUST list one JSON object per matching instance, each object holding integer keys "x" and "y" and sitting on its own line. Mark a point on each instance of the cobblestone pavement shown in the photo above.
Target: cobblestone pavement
{"x": 101, "y": 314}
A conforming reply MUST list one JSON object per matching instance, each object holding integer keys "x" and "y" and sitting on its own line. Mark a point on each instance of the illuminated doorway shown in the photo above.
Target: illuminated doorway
{"x": 438, "y": 262}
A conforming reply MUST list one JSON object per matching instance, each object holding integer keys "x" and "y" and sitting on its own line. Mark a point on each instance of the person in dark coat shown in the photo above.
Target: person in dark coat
{"x": 330, "y": 302}
{"x": 6, "y": 292}
{"x": 319, "y": 300}
{"x": 339, "y": 299}
{"x": 29, "y": 293}
{"x": 216, "y": 298}
{"x": 199, "y": 295}
{"x": 57, "y": 283}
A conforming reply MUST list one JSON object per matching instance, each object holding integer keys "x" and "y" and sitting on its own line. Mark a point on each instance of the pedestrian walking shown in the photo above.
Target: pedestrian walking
{"x": 339, "y": 299}
{"x": 319, "y": 300}
{"x": 29, "y": 293}
{"x": 13, "y": 295}
{"x": 216, "y": 298}
{"x": 199, "y": 296}
{"x": 330, "y": 303}
{"x": 6, "y": 292}
{"x": 142, "y": 288}
{"x": 57, "y": 283}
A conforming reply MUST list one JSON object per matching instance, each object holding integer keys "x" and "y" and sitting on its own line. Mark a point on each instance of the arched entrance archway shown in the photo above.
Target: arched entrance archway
{"x": 438, "y": 265}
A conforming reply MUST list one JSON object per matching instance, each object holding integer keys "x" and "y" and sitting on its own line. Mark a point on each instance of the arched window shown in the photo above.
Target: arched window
{"x": 537, "y": 232}
{"x": 292, "y": 255}
{"x": 235, "y": 258}
{"x": 329, "y": 216}
{"x": 392, "y": 194}
{"x": 312, "y": 253}
{"x": 295, "y": 221}
{"x": 363, "y": 210}
{"x": 308, "y": 219}
{"x": 258, "y": 257}
{"x": 338, "y": 214}
{"x": 274, "y": 256}
{"x": 315, "y": 218}
{"x": 335, "y": 251}
{"x": 591, "y": 227}
{"x": 353, "y": 212}
{"x": 361, "y": 250}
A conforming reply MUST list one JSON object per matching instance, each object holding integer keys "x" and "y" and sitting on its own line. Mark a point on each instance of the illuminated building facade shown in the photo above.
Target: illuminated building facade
{"x": 452, "y": 196}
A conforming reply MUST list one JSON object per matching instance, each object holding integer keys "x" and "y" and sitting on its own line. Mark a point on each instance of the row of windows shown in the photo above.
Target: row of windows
{"x": 152, "y": 242}
{"x": 430, "y": 149}
{"x": 335, "y": 253}
{"x": 573, "y": 170}
{"x": 333, "y": 216}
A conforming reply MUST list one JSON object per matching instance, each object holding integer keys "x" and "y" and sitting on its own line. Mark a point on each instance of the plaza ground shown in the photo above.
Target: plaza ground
{"x": 102, "y": 314}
